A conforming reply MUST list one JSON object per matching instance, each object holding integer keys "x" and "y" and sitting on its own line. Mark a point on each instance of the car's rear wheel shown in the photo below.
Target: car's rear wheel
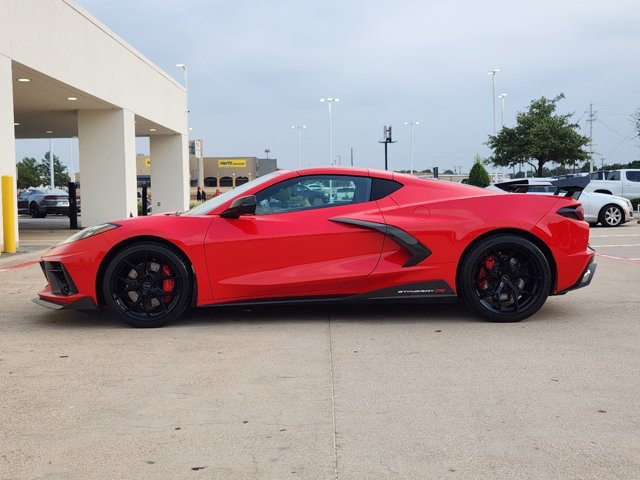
{"x": 147, "y": 285}
{"x": 611, "y": 215}
{"x": 505, "y": 278}
{"x": 35, "y": 211}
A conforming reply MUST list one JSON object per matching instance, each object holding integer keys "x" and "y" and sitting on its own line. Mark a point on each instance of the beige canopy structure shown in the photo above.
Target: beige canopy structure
{"x": 64, "y": 74}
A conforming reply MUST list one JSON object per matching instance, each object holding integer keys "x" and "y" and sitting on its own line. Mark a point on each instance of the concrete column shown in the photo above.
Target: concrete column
{"x": 169, "y": 172}
{"x": 7, "y": 137}
{"x": 107, "y": 165}
{"x": 200, "y": 161}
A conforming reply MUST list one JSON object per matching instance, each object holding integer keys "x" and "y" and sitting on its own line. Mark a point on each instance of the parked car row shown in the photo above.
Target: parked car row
{"x": 607, "y": 210}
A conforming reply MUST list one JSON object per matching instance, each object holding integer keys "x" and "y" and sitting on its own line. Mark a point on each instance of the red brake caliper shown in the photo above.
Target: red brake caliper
{"x": 167, "y": 285}
{"x": 488, "y": 264}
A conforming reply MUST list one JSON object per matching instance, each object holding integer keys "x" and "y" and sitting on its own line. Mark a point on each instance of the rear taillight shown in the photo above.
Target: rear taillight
{"x": 576, "y": 212}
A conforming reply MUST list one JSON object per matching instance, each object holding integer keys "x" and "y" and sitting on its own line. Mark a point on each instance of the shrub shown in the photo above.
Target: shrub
{"x": 479, "y": 176}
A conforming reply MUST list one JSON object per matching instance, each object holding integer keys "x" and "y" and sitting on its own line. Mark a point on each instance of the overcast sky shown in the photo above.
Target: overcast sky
{"x": 255, "y": 68}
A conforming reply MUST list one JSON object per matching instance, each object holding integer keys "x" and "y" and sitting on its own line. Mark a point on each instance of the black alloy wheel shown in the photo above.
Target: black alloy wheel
{"x": 505, "y": 278}
{"x": 35, "y": 212}
{"x": 148, "y": 285}
{"x": 611, "y": 216}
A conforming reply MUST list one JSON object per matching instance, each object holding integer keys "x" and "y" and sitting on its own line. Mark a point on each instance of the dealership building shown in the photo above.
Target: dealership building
{"x": 212, "y": 173}
{"x": 63, "y": 74}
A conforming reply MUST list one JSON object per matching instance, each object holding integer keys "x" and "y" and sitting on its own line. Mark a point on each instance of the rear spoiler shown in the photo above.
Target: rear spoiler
{"x": 567, "y": 185}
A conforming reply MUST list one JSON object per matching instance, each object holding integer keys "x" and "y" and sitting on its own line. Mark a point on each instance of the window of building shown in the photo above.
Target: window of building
{"x": 210, "y": 182}
{"x": 241, "y": 180}
{"x": 226, "y": 182}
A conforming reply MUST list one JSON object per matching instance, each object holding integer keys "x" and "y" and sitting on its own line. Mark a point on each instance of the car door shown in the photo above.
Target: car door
{"x": 631, "y": 185}
{"x": 291, "y": 247}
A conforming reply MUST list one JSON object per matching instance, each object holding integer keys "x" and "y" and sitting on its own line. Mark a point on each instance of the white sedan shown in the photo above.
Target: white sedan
{"x": 607, "y": 210}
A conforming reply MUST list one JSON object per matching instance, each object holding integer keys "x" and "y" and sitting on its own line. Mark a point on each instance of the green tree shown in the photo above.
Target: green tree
{"x": 540, "y": 136}
{"x": 28, "y": 173}
{"x": 61, "y": 177}
{"x": 478, "y": 175}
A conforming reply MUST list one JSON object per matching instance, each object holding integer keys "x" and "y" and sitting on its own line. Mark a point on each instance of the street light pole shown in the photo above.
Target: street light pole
{"x": 501, "y": 97}
{"x": 412, "y": 124}
{"x": 299, "y": 128}
{"x": 186, "y": 83}
{"x": 51, "y": 164}
{"x": 329, "y": 101}
{"x": 493, "y": 79}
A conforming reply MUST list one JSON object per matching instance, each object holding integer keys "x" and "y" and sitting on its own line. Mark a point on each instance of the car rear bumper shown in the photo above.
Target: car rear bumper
{"x": 57, "y": 210}
{"x": 584, "y": 279}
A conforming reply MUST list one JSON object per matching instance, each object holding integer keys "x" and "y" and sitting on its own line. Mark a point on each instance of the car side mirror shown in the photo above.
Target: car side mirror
{"x": 241, "y": 206}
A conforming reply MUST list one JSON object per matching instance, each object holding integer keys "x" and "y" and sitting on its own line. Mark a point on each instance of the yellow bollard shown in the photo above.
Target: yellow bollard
{"x": 9, "y": 214}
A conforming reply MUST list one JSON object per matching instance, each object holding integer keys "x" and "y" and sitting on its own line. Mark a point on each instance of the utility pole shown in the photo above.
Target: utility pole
{"x": 352, "y": 156}
{"x": 387, "y": 140}
{"x": 591, "y": 119}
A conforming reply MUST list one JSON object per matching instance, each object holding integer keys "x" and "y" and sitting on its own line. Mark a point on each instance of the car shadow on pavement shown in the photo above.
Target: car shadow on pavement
{"x": 365, "y": 313}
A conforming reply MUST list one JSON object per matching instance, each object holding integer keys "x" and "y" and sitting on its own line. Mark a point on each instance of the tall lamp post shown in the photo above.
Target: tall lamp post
{"x": 299, "y": 128}
{"x": 183, "y": 66}
{"x": 501, "y": 97}
{"x": 412, "y": 124}
{"x": 493, "y": 80}
{"x": 186, "y": 82}
{"x": 52, "y": 180}
{"x": 330, "y": 101}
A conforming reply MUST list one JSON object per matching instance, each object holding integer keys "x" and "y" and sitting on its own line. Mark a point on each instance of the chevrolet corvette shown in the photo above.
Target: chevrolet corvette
{"x": 385, "y": 237}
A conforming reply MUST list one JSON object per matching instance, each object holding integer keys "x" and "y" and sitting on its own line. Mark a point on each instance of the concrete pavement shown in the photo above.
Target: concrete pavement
{"x": 367, "y": 392}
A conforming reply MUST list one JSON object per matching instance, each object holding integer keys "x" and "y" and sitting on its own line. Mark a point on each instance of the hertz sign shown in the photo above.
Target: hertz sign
{"x": 232, "y": 163}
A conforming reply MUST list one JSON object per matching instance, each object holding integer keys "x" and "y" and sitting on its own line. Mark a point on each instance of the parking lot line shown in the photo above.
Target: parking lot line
{"x": 614, "y": 236}
{"x": 617, "y": 245}
{"x": 634, "y": 261}
{"x": 19, "y": 265}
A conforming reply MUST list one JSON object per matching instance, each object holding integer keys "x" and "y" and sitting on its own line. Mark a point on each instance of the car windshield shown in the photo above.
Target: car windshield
{"x": 215, "y": 202}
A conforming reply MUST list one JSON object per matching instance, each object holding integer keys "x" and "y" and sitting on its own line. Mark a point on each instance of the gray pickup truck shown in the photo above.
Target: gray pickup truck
{"x": 623, "y": 183}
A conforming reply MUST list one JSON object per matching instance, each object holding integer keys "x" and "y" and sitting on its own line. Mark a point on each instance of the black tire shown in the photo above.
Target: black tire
{"x": 504, "y": 278}
{"x": 147, "y": 285}
{"x": 34, "y": 211}
{"x": 611, "y": 216}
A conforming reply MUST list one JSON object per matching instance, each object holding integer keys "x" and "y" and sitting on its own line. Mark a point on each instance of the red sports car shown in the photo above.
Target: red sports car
{"x": 373, "y": 236}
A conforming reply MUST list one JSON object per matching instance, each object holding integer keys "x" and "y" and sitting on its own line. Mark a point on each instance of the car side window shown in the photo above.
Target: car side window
{"x": 633, "y": 176}
{"x": 312, "y": 192}
{"x": 613, "y": 175}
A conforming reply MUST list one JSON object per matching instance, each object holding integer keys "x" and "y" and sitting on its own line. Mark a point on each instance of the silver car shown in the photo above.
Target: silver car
{"x": 39, "y": 202}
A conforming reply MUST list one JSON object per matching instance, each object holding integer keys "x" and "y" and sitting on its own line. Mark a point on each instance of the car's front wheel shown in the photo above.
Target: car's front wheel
{"x": 611, "y": 216}
{"x": 504, "y": 278}
{"x": 147, "y": 285}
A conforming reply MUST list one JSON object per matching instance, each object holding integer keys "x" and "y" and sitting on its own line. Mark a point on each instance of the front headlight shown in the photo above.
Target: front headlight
{"x": 90, "y": 232}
